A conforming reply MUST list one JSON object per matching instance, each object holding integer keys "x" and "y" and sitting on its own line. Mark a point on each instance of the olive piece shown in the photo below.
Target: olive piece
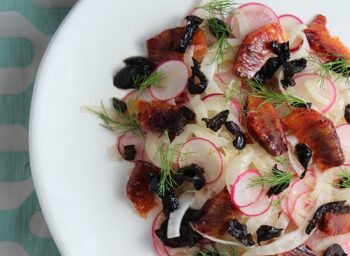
{"x": 233, "y": 128}
{"x": 337, "y": 67}
{"x": 275, "y": 190}
{"x": 129, "y": 152}
{"x": 304, "y": 155}
{"x": 153, "y": 182}
{"x": 240, "y": 142}
{"x": 217, "y": 121}
{"x": 188, "y": 113}
{"x": 190, "y": 29}
{"x": 265, "y": 233}
{"x": 347, "y": 113}
{"x": 192, "y": 173}
{"x": 119, "y": 105}
{"x": 281, "y": 50}
{"x": 170, "y": 201}
{"x": 139, "y": 61}
{"x": 202, "y": 84}
{"x": 240, "y": 232}
{"x": 218, "y": 28}
{"x": 334, "y": 250}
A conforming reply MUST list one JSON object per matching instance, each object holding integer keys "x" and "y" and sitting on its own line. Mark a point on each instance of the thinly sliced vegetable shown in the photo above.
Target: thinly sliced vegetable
{"x": 296, "y": 190}
{"x": 158, "y": 246}
{"x": 303, "y": 206}
{"x": 173, "y": 82}
{"x": 132, "y": 139}
{"x": 242, "y": 194}
{"x": 259, "y": 207}
{"x": 205, "y": 154}
{"x": 308, "y": 87}
{"x": 175, "y": 218}
{"x": 343, "y": 132}
{"x": 135, "y": 95}
{"x": 238, "y": 24}
{"x": 257, "y": 15}
{"x": 284, "y": 207}
{"x": 289, "y": 21}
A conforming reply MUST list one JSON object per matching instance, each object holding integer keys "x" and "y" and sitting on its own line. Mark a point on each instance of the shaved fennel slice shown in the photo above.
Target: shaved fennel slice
{"x": 175, "y": 218}
{"x": 322, "y": 244}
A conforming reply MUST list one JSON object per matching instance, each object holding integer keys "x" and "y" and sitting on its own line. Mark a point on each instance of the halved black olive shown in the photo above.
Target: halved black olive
{"x": 190, "y": 29}
{"x": 192, "y": 173}
{"x": 217, "y": 121}
{"x": 119, "y": 105}
{"x": 233, "y": 128}
{"x": 240, "y": 232}
{"x": 129, "y": 152}
{"x": 304, "y": 155}
{"x": 198, "y": 82}
{"x": 265, "y": 233}
{"x": 240, "y": 142}
{"x": 188, "y": 113}
{"x": 281, "y": 50}
{"x": 334, "y": 250}
{"x": 275, "y": 190}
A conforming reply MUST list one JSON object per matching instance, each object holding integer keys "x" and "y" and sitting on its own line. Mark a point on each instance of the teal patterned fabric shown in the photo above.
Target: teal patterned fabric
{"x": 25, "y": 30}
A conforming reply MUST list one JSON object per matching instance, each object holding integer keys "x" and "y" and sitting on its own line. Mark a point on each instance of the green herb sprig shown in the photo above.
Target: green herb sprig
{"x": 125, "y": 122}
{"x": 219, "y": 7}
{"x": 272, "y": 179}
{"x": 339, "y": 67}
{"x": 344, "y": 179}
{"x": 277, "y": 202}
{"x": 151, "y": 80}
{"x": 278, "y": 99}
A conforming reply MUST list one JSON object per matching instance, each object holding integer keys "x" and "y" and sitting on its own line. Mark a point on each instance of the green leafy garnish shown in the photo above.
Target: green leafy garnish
{"x": 124, "y": 122}
{"x": 272, "y": 179}
{"x": 167, "y": 153}
{"x": 344, "y": 179}
{"x": 220, "y": 48}
{"x": 339, "y": 67}
{"x": 219, "y": 7}
{"x": 278, "y": 99}
{"x": 282, "y": 161}
{"x": 231, "y": 91}
{"x": 151, "y": 80}
{"x": 277, "y": 203}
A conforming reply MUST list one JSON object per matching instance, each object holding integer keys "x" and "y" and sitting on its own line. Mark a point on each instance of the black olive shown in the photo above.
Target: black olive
{"x": 192, "y": 173}
{"x": 188, "y": 237}
{"x": 281, "y": 50}
{"x": 299, "y": 65}
{"x": 334, "y": 250}
{"x": 190, "y": 29}
{"x": 347, "y": 113}
{"x": 271, "y": 66}
{"x": 265, "y": 233}
{"x": 217, "y": 121}
{"x": 338, "y": 207}
{"x": 188, "y": 113}
{"x": 337, "y": 67}
{"x": 302, "y": 105}
{"x": 170, "y": 201}
{"x": 131, "y": 76}
{"x": 304, "y": 155}
{"x": 202, "y": 84}
{"x": 218, "y": 28}
{"x": 240, "y": 142}
{"x": 290, "y": 69}
{"x": 233, "y": 128}
{"x": 192, "y": 215}
{"x": 129, "y": 152}
{"x": 275, "y": 190}
{"x": 119, "y": 105}
{"x": 240, "y": 232}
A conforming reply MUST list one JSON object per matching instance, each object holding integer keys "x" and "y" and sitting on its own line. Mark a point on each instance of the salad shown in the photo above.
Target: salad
{"x": 237, "y": 128}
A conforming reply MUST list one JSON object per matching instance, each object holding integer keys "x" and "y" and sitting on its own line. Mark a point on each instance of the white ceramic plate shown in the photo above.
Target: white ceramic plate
{"x": 81, "y": 191}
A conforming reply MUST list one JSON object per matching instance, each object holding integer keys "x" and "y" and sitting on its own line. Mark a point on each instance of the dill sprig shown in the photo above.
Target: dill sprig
{"x": 277, "y": 203}
{"x": 219, "y": 7}
{"x": 282, "y": 161}
{"x": 151, "y": 80}
{"x": 344, "y": 179}
{"x": 339, "y": 67}
{"x": 166, "y": 153}
{"x": 220, "y": 48}
{"x": 278, "y": 99}
{"x": 231, "y": 91}
{"x": 125, "y": 122}
{"x": 272, "y": 179}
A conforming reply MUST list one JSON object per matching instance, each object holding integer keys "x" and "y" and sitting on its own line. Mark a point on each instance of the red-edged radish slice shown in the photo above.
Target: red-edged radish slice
{"x": 174, "y": 80}
{"x": 225, "y": 77}
{"x": 158, "y": 246}
{"x": 135, "y": 95}
{"x": 242, "y": 194}
{"x": 296, "y": 189}
{"x": 284, "y": 207}
{"x": 308, "y": 87}
{"x": 205, "y": 154}
{"x": 258, "y": 15}
{"x": 216, "y": 101}
{"x": 132, "y": 139}
{"x": 289, "y": 21}
{"x": 346, "y": 248}
{"x": 302, "y": 208}
{"x": 343, "y": 132}
{"x": 261, "y": 206}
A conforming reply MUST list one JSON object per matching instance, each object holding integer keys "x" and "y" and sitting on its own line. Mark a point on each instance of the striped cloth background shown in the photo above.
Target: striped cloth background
{"x": 26, "y": 27}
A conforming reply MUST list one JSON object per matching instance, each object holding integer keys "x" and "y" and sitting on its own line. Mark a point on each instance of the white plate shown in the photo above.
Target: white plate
{"x": 81, "y": 191}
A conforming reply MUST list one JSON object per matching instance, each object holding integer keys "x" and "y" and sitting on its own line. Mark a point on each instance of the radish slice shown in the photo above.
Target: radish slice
{"x": 216, "y": 102}
{"x": 135, "y": 95}
{"x": 297, "y": 188}
{"x": 303, "y": 206}
{"x": 158, "y": 246}
{"x": 308, "y": 87}
{"x": 175, "y": 218}
{"x": 289, "y": 21}
{"x": 261, "y": 206}
{"x": 346, "y": 248}
{"x": 205, "y": 154}
{"x": 175, "y": 75}
{"x": 257, "y": 15}
{"x": 343, "y": 132}
{"x": 284, "y": 207}
{"x": 132, "y": 139}
{"x": 242, "y": 194}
